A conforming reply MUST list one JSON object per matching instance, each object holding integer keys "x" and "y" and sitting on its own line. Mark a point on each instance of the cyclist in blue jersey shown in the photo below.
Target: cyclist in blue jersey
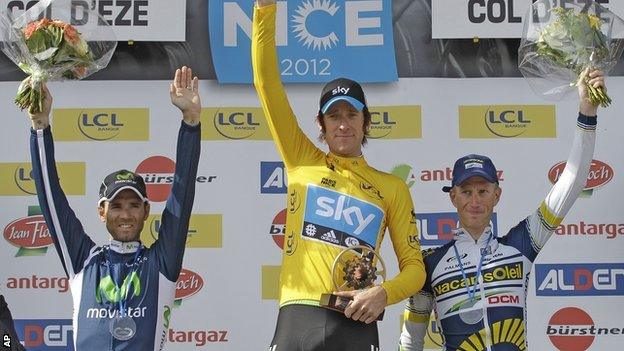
{"x": 8, "y": 336}
{"x": 465, "y": 274}
{"x": 122, "y": 292}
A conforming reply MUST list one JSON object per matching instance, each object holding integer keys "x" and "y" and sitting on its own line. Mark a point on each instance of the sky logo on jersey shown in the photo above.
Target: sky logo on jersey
{"x": 507, "y": 121}
{"x": 45, "y": 334}
{"x": 16, "y": 179}
{"x": 189, "y": 283}
{"x": 317, "y": 40}
{"x": 234, "y": 123}
{"x": 273, "y": 178}
{"x": 599, "y": 175}
{"x": 436, "y": 229}
{"x": 340, "y": 219}
{"x": 123, "y": 124}
{"x": 405, "y": 172}
{"x": 395, "y": 122}
{"x": 204, "y": 230}
{"x": 582, "y": 279}
{"x": 157, "y": 171}
{"x": 29, "y": 234}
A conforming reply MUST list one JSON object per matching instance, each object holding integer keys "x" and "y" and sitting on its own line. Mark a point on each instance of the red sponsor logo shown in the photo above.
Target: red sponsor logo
{"x": 504, "y": 299}
{"x": 599, "y": 174}
{"x": 607, "y": 230}
{"x": 28, "y": 232}
{"x": 189, "y": 283}
{"x": 158, "y": 174}
{"x": 571, "y": 329}
{"x": 278, "y": 228}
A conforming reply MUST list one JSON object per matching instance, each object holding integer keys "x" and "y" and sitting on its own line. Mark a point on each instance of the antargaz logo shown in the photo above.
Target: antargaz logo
{"x": 507, "y": 121}
{"x": 599, "y": 175}
{"x": 16, "y": 179}
{"x": 317, "y": 40}
{"x": 406, "y": 173}
{"x": 204, "y": 230}
{"x": 395, "y": 122}
{"x": 30, "y": 234}
{"x": 123, "y": 124}
{"x": 189, "y": 283}
{"x": 234, "y": 123}
{"x": 157, "y": 171}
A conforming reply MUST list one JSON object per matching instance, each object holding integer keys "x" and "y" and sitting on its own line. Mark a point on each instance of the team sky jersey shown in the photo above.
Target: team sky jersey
{"x": 333, "y": 202}
{"x": 151, "y": 290}
{"x": 494, "y": 320}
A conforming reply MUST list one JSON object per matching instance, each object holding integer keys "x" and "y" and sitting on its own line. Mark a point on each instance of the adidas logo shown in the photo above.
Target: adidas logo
{"x": 330, "y": 236}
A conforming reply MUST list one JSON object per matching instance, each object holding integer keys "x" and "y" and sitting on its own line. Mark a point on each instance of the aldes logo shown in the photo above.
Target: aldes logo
{"x": 16, "y": 179}
{"x": 580, "y": 279}
{"x": 189, "y": 283}
{"x": 103, "y": 124}
{"x": 234, "y": 123}
{"x": 317, "y": 40}
{"x": 157, "y": 171}
{"x": 600, "y": 173}
{"x": 395, "y": 122}
{"x": 273, "y": 177}
{"x": 406, "y": 173}
{"x": 436, "y": 229}
{"x": 507, "y": 121}
{"x": 29, "y": 234}
{"x": 45, "y": 334}
{"x": 205, "y": 230}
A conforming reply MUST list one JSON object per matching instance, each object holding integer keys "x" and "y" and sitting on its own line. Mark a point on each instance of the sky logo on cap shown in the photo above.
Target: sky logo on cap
{"x": 317, "y": 40}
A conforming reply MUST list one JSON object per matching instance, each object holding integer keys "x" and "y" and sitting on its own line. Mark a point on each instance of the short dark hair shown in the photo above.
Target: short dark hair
{"x": 367, "y": 121}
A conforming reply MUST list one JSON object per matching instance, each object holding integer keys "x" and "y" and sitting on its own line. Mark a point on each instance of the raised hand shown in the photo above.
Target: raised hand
{"x": 41, "y": 120}
{"x": 184, "y": 92}
{"x": 594, "y": 78}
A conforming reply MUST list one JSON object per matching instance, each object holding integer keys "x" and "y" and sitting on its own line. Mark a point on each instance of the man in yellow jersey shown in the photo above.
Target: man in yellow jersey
{"x": 335, "y": 201}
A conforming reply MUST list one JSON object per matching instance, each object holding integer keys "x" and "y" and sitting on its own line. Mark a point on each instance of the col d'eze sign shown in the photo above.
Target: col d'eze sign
{"x": 456, "y": 19}
{"x": 139, "y": 20}
{"x": 317, "y": 40}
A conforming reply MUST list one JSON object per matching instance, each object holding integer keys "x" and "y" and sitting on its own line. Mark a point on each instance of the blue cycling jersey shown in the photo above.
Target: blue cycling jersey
{"x": 95, "y": 272}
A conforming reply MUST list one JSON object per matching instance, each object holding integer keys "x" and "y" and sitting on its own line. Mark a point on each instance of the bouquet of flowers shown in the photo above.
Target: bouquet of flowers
{"x": 558, "y": 44}
{"x": 48, "y": 49}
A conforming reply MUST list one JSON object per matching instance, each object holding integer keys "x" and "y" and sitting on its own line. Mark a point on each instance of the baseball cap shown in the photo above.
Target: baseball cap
{"x": 470, "y": 166}
{"x": 120, "y": 180}
{"x": 342, "y": 89}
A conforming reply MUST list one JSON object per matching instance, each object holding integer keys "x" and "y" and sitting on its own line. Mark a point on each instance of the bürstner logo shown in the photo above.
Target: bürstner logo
{"x": 30, "y": 234}
{"x": 278, "y": 228}
{"x": 571, "y": 329}
{"x": 157, "y": 171}
{"x": 189, "y": 283}
{"x": 599, "y": 174}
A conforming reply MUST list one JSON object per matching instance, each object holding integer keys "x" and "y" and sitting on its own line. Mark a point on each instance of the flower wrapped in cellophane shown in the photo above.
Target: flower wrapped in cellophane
{"x": 53, "y": 49}
{"x": 559, "y": 43}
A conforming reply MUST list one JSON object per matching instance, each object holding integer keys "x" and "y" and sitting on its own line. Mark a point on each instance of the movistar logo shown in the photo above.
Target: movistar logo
{"x": 108, "y": 290}
{"x": 125, "y": 176}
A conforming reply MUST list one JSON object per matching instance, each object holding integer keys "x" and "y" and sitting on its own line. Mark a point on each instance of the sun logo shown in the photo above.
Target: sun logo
{"x": 303, "y": 35}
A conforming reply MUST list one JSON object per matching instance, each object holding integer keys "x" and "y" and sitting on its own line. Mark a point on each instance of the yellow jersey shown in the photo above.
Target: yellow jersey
{"x": 333, "y": 202}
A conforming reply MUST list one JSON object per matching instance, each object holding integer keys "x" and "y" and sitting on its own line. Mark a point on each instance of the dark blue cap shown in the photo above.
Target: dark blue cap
{"x": 470, "y": 166}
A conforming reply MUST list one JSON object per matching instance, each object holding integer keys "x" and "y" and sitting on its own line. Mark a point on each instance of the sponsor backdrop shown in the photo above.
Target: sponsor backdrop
{"x": 226, "y": 295}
